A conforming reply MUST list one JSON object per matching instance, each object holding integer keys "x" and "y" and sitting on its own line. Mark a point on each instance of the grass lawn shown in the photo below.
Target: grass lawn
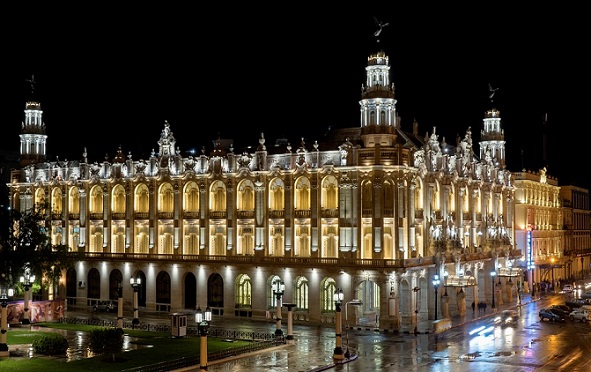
{"x": 162, "y": 348}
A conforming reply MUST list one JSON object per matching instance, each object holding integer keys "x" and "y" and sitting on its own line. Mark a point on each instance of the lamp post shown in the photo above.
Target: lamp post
{"x": 354, "y": 302}
{"x": 278, "y": 290}
{"x": 553, "y": 282}
{"x": 416, "y": 291}
{"x": 4, "y": 294}
{"x": 135, "y": 284}
{"x": 26, "y": 281}
{"x": 338, "y": 297}
{"x": 290, "y": 307}
{"x": 436, "y": 283}
{"x": 203, "y": 320}
{"x": 119, "y": 305}
{"x": 492, "y": 276}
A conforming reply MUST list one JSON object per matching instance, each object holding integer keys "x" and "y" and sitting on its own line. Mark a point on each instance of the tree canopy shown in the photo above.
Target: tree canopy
{"x": 26, "y": 246}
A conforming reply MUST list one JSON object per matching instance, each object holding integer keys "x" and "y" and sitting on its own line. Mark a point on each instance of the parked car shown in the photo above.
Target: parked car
{"x": 574, "y": 303}
{"x": 564, "y": 307}
{"x": 106, "y": 306}
{"x": 567, "y": 288}
{"x": 551, "y": 315}
{"x": 580, "y": 314}
{"x": 565, "y": 312}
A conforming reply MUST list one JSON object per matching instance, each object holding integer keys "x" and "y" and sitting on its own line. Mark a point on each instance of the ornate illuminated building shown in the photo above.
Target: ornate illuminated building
{"x": 373, "y": 210}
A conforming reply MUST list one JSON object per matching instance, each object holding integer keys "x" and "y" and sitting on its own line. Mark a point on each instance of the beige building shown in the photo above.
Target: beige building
{"x": 374, "y": 211}
{"x": 577, "y": 239}
{"x": 539, "y": 227}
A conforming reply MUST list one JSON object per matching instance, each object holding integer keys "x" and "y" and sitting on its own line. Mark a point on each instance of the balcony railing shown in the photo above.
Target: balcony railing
{"x": 276, "y": 214}
{"x": 218, "y": 214}
{"x": 166, "y": 215}
{"x": 330, "y": 213}
{"x": 245, "y": 214}
{"x": 191, "y": 215}
{"x": 253, "y": 260}
{"x": 96, "y": 216}
{"x": 303, "y": 213}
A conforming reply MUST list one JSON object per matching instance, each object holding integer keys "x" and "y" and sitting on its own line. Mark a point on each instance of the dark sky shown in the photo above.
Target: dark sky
{"x": 107, "y": 78}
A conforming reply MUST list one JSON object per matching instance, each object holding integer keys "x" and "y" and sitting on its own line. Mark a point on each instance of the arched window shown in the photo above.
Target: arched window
{"x": 243, "y": 290}
{"x": 301, "y": 293}
{"x": 118, "y": 199}
{"x": 327, "y": 289}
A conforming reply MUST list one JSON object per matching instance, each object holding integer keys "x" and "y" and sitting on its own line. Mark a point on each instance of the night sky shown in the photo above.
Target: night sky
{"x": 111, "y": 78}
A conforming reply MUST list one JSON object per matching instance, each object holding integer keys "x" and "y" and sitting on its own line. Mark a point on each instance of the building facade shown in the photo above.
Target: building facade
{"x": 373, "y": 210}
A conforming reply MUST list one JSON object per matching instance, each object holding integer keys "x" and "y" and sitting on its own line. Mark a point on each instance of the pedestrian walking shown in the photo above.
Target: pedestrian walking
{"x": 473, "y": 307}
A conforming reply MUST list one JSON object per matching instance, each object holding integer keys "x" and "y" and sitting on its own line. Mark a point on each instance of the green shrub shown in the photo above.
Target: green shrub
{"x": 106, "y": 340}
{"x": 50, "y": 344}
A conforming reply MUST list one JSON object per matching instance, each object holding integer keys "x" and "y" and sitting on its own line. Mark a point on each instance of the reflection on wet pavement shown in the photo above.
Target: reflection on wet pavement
{"x": 78, "y": 343}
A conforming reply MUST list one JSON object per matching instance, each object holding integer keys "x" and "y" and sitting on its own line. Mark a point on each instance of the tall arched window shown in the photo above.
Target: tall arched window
{"x": 166, "y": 198}
{"x": 96, "y": 199}
{"x": 302, "y": 193}
{"x": 142, "y": 199}
{"x": 243, "y": 291}
{"x": 330, "y": 193}
{"x": 276, "y": 195}
{"x": 191, "y": 199}
{"x": 118, "y": 199}
{"x": 327, "y": 289}
{"x": 301, "y": 293}
{"x": 56, "y": 201}
{"x": 245, "y": 196}
{"x": 217, "y": 200}
{"x": 74, "y": 200}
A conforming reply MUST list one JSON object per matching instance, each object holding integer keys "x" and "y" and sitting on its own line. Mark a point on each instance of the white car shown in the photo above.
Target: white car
{"x": 580, "y": 314}
{"x": 567, "y": 288}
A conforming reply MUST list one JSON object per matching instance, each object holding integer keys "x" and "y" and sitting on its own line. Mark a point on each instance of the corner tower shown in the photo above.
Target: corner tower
{"x": 492, "y": 138}
{"x": 378, "y": 105}
{"x": 33, "y": 148}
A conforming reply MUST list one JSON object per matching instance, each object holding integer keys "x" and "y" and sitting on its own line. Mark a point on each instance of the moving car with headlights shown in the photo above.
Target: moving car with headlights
{"x": 551, "y": 314}
{"x": 506, "y": 318}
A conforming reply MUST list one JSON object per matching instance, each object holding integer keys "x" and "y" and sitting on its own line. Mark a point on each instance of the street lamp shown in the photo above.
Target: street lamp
{"x": 26, "y": 281}
{"x": 354, "y": 302}
{"x": 492, "y": 276}
{"x": 553, "y": 282}
{"x": 338, "y": 297}
{"x": 436, "y": 283}
{"x": 135, "y": 284}
{"x": 203, "y": 320}
{"x": 4, "y": 294}
{"x": 119, "y": 305}
{"x": 290, "y": 307}
{"x": 278, "y": 290}
{"x": 416, "y": 291}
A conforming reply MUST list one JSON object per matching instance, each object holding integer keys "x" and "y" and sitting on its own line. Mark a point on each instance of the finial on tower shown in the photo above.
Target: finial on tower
{"x": 380, "y": 28}
{"x": 32, "y": 82}
{"x": 491, "y": 91}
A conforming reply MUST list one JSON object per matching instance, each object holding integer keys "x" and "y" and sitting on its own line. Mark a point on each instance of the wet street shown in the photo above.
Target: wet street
{"x": 528, "y": 345}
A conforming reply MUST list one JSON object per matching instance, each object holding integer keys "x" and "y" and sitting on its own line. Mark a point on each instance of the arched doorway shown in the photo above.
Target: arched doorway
{"x": 190, "y": 291}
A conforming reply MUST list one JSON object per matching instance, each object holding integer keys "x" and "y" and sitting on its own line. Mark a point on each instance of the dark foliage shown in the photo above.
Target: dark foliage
{"x": 26, "y": 246}
{"x": 51, "y": 344}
